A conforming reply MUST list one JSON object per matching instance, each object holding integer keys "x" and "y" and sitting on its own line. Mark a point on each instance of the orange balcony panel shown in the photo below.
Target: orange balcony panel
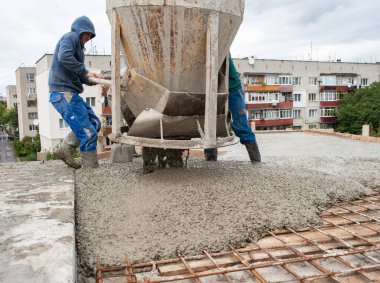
{"x": 286, "y": 88}
{"x": 259, "y": 106}
{"x": 329, "y": 103}
{"x": 328, "y": 120}
{"x": 108, "y": 131}
{"x": 263, "y": 88}
{"x": 278, "y": 122}
{"x": 107, "y": 110}
{"x": 285, "y": 105}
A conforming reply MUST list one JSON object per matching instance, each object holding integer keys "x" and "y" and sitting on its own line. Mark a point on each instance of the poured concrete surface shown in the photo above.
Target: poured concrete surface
{"x": 357, "y": 160}
{"x": 37, "y": 223}
{"x": 211, "y": 205}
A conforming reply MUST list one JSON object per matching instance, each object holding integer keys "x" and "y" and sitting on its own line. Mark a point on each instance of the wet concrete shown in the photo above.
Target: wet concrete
{"x": 37, "y": 240}
{"x": 211, "y": 205}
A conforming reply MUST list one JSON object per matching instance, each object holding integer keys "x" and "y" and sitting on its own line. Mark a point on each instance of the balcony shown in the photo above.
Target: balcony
{"x": 328, "y": 120}
{"x": 260, "y": 106}
{"x": 285, "y": 105}
{"x": 277, "y": 122}
{"x": 330, "y": 103}
{"x": 263, "y": 88}
{"x": 107, "y": 110}
{"x": 286, "y": 88}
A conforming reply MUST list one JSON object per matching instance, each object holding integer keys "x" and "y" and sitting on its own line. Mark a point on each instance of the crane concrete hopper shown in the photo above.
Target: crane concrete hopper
{"x": 174, "y": 93}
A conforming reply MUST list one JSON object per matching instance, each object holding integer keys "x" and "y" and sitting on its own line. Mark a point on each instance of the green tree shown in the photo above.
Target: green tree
{"x": 360, "y": 108}
{"x": 11, "y": 117}
{"x": 3, "y": 110}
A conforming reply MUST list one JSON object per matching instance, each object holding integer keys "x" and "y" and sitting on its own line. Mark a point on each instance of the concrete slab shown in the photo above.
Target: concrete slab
{"x": 37, "y": 242}
{"x": 352, "y": 159}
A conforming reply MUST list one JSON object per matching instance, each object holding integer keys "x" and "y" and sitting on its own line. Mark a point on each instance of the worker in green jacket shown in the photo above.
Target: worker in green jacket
{"x": 236, "y": 105}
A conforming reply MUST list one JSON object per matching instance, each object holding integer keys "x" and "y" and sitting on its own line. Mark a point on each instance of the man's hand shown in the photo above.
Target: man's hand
{"x": 95, "y": 75}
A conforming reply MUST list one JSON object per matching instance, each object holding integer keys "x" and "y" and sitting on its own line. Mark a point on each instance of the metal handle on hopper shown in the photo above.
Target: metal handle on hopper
{"x": 100, "y": 81}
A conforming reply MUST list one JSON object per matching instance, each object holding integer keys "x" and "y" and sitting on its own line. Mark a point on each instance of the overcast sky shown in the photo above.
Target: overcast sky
{"x": 272, "y": 29}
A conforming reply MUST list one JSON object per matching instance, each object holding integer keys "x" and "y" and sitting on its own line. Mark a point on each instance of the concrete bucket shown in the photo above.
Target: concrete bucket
{"x": 175, "y": 90}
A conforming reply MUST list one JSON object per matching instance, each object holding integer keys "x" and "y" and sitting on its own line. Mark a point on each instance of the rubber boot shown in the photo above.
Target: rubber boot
{"x": 211, "y": 154}
{"x": 253, "y": 152}
{"x": 89, "y": 159}
{"x": 64, "y": 152}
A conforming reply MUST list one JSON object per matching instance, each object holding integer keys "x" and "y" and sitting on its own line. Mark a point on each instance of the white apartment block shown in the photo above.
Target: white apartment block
{"x": 11, "y": 95}
{"x": 26, "y": 101}
{"x": 284, "y": 94}
{"x": 52, "y": 127}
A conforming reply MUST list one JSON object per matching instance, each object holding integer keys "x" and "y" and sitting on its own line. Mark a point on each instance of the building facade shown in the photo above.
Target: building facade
{"x": 283, "y": 94}
{"x": 52, "y": 127}
{"x": 11, "y": 94}
{"x": 27, "y": 101}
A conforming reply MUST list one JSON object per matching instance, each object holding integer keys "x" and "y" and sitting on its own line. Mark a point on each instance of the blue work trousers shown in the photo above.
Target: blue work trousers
{"x": 79, "y": 116}
{"x": 240, "y": 124}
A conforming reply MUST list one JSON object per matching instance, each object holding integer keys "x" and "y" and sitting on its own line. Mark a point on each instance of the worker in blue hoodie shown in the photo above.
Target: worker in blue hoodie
{"x": 67, "y": 76}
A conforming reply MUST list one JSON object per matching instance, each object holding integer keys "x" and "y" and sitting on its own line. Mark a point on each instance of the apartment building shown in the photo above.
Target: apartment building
{"x": 27, "y": 101}
{"x": 52, "y": 127}
{"x": 284, "y": 94}
{"x": 11, "y": 95}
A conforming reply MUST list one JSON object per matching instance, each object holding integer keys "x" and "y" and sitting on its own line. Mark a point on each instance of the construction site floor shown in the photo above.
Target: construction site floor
{"x": 210, "y": 206}
{"x": 214, "y": 207}
{"x": 37, "y": 235}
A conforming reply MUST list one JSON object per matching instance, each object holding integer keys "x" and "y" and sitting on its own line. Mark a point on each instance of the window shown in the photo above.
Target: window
{"x": 312, "y": 97}
{"x": 109, "y": 121}
{"x": 328, "y": 80}
{"x": 33, "y": 115}
{"x": 90, "y": 101}
{"x": 15, "y": 105}
{"x": 286, "y": 114}
{"x": 296, "y": 114}
{"x": 255, "y": 80}
{"x": 329, "y": 95}
{"x": 31, "y": 103}
{"x": 63, "y": 124}
{"x": 364, "y": 82}
{"x": 328, "y": 112}
{"x": 271, "y": 114}
{"x": 297, "y": 97}
{"x": 342, "y": 80}
{"x": 286, "y": 80}
{"x": 312, "y": 113}
{"x": 313, "y": 81}
{"x": 33, "y": 128}
{"x": 312, "y": 126}
{"x": 271, "y": 80}
{"x": 297, "y": 81}
{"x": 31, "y": 90}
{"x": 15, "y": 96}
{"x": 30, "y": 77}
{"x": 263, "y": 96}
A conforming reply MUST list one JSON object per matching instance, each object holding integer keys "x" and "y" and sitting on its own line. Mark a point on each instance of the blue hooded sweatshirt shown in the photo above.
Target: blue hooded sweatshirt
{"x": 68, "y": 71}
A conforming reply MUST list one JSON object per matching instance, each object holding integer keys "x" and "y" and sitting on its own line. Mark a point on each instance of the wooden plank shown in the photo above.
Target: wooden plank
{"x": 116, "y": 90}
{"x": 211, "y": 79}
